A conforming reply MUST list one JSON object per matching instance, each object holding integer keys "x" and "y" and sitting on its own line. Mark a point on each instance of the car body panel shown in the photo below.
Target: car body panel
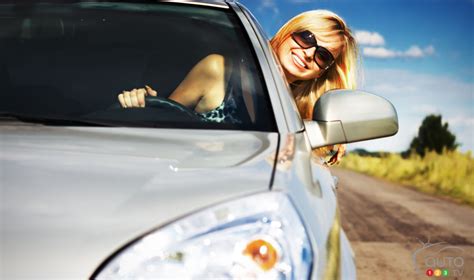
{"x": 309, "y": 183}
{"x": 78, "y": 194}
{"x": 210, "y": 3}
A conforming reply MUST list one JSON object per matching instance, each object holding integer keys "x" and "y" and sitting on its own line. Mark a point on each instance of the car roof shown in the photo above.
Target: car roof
{"x": 213, "y": 3}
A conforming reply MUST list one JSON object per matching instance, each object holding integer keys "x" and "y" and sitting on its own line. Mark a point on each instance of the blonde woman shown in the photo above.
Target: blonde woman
{"x": 318, "y": 53}
{"x": 316, "y": 50}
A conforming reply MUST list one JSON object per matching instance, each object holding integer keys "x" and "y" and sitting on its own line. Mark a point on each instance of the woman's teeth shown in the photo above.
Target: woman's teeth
{"x": 298, "y": 61}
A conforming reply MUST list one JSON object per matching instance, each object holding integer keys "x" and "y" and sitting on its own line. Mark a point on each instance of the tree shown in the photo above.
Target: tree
{"x": 433, "y": 135}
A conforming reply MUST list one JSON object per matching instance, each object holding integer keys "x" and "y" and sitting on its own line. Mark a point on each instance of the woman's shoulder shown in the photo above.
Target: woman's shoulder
{"x": 212, "y": 65}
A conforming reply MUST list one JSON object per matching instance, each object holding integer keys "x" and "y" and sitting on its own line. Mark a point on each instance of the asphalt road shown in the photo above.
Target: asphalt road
{"x": 388, "y": 225}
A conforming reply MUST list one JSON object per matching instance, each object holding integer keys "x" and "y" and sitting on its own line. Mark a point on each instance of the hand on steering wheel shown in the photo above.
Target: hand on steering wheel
{"x": 136, "y": 97}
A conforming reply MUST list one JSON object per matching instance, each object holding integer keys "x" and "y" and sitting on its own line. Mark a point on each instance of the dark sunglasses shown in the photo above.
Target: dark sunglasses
{"x": 306, "y": 39}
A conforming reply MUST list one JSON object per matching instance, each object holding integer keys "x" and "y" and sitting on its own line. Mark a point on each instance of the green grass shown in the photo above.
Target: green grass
{"x": 448, "y": 174}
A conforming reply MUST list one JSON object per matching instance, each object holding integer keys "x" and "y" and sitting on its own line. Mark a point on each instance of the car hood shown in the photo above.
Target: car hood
{"x": 71, "y": 196}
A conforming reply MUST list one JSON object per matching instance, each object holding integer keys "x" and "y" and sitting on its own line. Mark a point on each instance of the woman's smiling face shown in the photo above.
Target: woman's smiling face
{"x": 298, "y": 63}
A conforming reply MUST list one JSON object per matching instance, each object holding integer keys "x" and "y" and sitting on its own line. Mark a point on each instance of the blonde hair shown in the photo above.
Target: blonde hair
{"x": 341, "y": 75}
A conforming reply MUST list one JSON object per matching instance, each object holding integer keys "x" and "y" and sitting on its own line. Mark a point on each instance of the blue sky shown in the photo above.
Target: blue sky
{"x": 416, "y": 53}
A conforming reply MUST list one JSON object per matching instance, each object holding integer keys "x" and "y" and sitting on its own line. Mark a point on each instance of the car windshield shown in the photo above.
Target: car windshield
{"x": 66, "y": 64}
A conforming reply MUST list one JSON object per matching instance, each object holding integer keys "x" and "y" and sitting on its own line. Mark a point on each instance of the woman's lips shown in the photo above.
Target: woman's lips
{"x": 298, "y": 61}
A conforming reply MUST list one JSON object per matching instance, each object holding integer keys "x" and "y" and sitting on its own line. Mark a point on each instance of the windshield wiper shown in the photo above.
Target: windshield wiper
{"x": 8, "y": 116}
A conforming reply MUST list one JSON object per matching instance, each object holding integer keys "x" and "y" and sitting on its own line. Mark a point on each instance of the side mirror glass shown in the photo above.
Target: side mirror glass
{"x": 345, "y": 116}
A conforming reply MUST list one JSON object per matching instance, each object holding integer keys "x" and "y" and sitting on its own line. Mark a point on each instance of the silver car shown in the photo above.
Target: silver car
{"x": 92, "y": 190}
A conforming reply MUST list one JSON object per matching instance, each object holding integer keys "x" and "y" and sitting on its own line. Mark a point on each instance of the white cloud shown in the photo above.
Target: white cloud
{"x": 415, "y": 51}
{"x": 373, "y": 46}
{"x": 412, "y": 52}
{"x": 430, "y": 50}
{"x": 416, "y": 95}
{"x": 364, "y": 37}
{"x": 270, "y": 5}
{"x": 378, "y": 52}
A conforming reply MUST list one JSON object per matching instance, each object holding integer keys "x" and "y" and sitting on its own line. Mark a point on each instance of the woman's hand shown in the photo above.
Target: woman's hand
{"x": 136, "y": 97}
{"x": 336, "y": 158}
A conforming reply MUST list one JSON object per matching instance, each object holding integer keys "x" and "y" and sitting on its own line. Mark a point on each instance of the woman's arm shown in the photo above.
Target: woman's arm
{"x": 203, "y": 88}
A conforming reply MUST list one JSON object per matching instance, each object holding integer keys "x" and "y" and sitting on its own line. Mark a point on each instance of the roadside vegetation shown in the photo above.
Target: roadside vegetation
{"x": 450, "y": 173}
{"x": 432, "y": 164}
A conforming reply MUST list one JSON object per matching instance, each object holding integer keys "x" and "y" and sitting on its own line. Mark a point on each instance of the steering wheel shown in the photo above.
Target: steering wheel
{"x": 156, "y": 109}
{"x": 170, "y": 106}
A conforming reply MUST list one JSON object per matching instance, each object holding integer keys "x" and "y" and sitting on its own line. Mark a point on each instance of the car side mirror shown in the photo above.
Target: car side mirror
{"x": 345, "y": 116}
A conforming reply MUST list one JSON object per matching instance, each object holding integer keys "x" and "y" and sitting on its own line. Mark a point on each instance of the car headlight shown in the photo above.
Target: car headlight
{"x": 259, "y": 236}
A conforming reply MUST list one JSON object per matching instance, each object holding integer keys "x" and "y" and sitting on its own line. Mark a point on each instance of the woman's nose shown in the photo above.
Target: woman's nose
{"x": 309, "y": 53}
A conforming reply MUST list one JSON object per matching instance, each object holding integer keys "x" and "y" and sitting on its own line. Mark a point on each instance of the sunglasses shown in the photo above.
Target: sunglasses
{"x": 306, "y": 39}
